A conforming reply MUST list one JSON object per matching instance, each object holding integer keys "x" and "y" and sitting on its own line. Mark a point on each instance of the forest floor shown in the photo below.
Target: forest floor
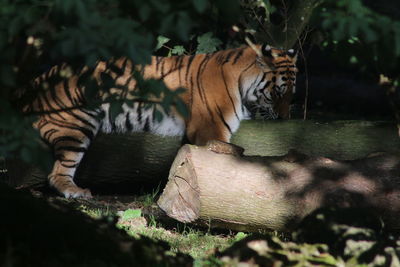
{"x": 39, "y": 228}
{"x": 343, "y": 239}
{"x": 140, "y": 216}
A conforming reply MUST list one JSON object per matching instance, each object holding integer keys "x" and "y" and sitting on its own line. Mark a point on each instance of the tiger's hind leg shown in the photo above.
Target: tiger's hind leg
{"x": 69, "y": 140}
{"x": 62, "y": 175}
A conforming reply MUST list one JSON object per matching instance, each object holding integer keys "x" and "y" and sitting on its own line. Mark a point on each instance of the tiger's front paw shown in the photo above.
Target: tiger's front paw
{"x": 76, "y": 192}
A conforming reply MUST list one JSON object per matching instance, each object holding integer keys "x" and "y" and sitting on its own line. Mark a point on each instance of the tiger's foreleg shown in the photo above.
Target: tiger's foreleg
{"x": 200, "y": 134}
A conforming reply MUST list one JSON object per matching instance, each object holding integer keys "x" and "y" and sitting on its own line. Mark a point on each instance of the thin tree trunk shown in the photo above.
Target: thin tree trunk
{"x": 283, "y": 27}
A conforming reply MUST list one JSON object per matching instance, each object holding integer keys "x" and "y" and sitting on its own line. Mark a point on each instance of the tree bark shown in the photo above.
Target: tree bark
{"x": 252, "y": 192}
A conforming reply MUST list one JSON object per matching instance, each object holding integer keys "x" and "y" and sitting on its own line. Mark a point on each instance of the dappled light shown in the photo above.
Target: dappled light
{"x": 200, "y": 133}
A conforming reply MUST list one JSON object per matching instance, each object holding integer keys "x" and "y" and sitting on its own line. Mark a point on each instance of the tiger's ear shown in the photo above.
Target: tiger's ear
{"x": 267, "y": 51}
{"x": 292, "y": 54}
{"x": 268, "y": 56}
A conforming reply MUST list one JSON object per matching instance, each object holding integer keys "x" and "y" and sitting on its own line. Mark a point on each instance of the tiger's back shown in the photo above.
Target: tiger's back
{"x": 218, "y": 87}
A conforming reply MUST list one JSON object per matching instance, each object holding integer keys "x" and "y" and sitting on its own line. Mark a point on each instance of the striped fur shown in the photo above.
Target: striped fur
{"x": 219, "y": 86}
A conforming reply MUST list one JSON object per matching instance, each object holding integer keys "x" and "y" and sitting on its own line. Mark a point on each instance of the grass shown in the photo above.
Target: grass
{"x": 191, "y": 241}
{"x": 95, "y": 213}
{"x": 185, "y": 239}
{"x": 150, "y": 199}
{"x": 195, "y": 242}
{"x": 201, "y": 244}
{"x": 147, "y": 200}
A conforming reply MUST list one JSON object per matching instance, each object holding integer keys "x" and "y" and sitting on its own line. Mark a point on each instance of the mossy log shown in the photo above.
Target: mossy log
{"x": 211, "y": 187}
{"x": 125, "y": 162}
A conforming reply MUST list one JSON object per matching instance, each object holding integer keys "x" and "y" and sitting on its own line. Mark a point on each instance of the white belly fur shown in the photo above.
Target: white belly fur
{"x": 168, "y": 126}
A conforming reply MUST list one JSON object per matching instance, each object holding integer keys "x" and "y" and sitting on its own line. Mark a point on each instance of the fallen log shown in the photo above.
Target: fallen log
{"x": 213, "y": 186}
{"x": 124, "y": 163}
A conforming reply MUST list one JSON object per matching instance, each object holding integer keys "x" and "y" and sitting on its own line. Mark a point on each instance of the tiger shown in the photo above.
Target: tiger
{"x": 219, "y": 89}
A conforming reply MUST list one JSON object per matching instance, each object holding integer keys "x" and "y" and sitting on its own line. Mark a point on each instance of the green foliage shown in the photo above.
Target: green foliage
{"x": 131, "y": 214}
{"x": 355, "y": 235}
{"x": 268, "y": 250}
{"x": 278, "y": 23}
{"x": 161, "y": 41}
{"x": 97, "y": 213}
{"x": 239, "y": 236}
{"x": 363, "y": 36}
{"x": 178, "y": 50}
{"x": 207, "y": 43}
{"x": 37, "y": 34}
{"x": 193, "y": 242}
{"x": 151, "y": 198}
{"x": 327, "y": 237}
{"x": 200, "y": 5}
{"x": 16, "y": 140}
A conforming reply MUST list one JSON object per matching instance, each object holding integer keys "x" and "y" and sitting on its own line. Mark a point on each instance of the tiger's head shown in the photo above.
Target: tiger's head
{"x": 275, "y": 92}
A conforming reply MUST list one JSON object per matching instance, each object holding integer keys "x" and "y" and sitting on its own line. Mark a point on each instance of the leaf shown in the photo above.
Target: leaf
{"x": 200, "y": 5}
{"x": 167, "y": 102}
{"x": 181, "y": 108}
{"x": 339, "y": 32}
{"x": 162, "y": 6}
{"x": 91, "y": 59}
{"x": 270, "y": 8}
{"x": 107, "y": 80}
{"x": 370, "y": 34}
{"x": 167, "y": 23}
{"x": 144, "y": 12}
{"x": 353, "y": 60}
{"x": 178, "y": 50}
{"x": 161, "y": 40}
{"x": 396, "y": 30}
{"x": 116, "y": 69}
{"x": 180, "y": 90}
{"x": 115, "y": 109}
{"x": 131, "y": 214}
{"x": 158, "y": 115}
{"x": 80, "y": 8}
{"x": 183, "y": 25}
{"x": 207, "y": 43}
{"x": 239, "y": 236}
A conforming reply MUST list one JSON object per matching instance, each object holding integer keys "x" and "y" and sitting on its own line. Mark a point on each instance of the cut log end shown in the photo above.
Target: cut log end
{"x": 180, "y": 199}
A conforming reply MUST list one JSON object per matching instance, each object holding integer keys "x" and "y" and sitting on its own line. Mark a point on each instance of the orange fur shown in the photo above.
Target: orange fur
{"x": 219, "y": 85}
